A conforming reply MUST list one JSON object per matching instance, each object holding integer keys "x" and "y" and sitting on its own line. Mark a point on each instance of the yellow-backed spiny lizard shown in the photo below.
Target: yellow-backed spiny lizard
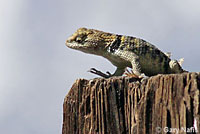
{"x": 123, "y": 51}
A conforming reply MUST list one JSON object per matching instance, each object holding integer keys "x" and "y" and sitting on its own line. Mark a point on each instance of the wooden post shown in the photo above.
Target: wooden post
{"x": 119, "y": 105}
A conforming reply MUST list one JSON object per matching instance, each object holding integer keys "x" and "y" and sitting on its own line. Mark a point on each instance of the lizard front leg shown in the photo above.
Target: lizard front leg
{"x": 118, "y": 72}
{"x": 97, "y": 72}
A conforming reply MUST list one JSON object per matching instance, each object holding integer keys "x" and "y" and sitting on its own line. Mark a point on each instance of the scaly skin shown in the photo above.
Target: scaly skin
{"x": 123, "y": 51}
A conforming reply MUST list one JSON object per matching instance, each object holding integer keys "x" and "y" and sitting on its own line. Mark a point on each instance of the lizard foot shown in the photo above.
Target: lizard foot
{"x": 97, "y": 72}
{"x": 131, "y": 74}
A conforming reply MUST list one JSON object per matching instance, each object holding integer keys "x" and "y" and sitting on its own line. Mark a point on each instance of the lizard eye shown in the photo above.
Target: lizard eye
{"x": 78, "y": 39}
{"x": 81, "y": 39}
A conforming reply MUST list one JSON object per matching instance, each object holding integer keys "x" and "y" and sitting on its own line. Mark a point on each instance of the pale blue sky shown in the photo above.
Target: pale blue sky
{"x": 37, "y": 69}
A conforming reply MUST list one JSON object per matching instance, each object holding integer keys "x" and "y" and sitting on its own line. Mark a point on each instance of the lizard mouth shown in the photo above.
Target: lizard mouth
{"x": 74, "y": 45}
{"x": 84, "y": 48}
{"x": 78, "y": 46}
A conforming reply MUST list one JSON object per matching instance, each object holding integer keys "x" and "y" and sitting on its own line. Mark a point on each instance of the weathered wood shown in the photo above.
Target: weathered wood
{"x": 122, "y": 105}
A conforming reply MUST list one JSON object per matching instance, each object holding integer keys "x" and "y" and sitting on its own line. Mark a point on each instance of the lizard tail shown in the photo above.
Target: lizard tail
{"x": 181, "y": 61}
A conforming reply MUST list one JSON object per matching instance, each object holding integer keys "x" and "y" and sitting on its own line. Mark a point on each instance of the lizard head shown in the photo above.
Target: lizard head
{"x": 90, "y": 41}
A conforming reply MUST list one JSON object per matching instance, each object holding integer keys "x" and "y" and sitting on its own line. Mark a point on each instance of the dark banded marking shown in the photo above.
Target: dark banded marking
{"x": 115, "y": 45}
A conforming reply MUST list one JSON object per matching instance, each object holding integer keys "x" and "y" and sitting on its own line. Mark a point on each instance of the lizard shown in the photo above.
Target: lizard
{"x": 122, "y": 51}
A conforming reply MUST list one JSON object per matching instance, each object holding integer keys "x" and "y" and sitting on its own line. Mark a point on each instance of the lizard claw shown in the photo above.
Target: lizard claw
{"x": 131, "y": 74}
{"x": 97, "y": 72}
